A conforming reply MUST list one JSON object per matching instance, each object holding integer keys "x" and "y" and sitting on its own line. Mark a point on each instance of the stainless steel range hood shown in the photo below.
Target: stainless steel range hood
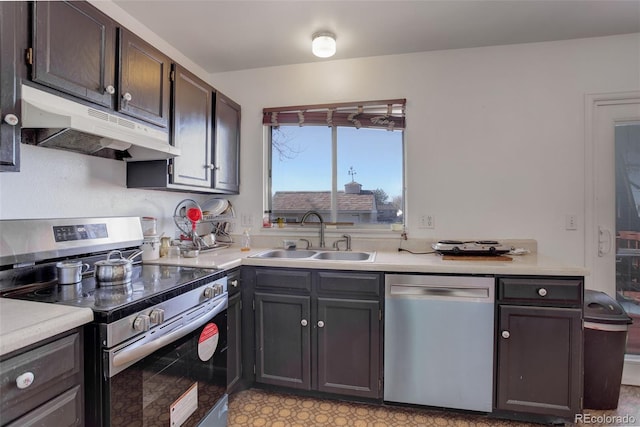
{"x": 76, "y": 127}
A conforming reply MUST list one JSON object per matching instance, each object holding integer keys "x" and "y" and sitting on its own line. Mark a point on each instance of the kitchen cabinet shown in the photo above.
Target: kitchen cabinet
{"x": 13, "y": 42}
{"x": 234, "y": 335}
{"x": 74, "y": 50}
{"x": 227, "y": 145}
{"x": 43, "y": 384}
{"x": 210, "y": 145}
{"x": 144, "y": 86}
{"x": 539, "y": 360}
{"x": 319, "y": 330}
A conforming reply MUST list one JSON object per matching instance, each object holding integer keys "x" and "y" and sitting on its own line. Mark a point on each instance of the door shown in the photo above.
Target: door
{"x": 74, "y": 50}
{"x": 144, "y": 80}
{"x": 227, "y": 145}
{"x": 348, "y": 346}
{"x": 12, "y": 45}
{"x": 191, "y": 129}
{"x": 283, "y": 340}
{"x": 539, "y": 349}
{"x": 613, "y": 228}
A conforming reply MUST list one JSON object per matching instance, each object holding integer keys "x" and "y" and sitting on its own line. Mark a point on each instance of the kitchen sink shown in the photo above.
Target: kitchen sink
{"x": 282, "y": 253}
{"x": 317, "y": 255}
{"x": 345, "y": 256}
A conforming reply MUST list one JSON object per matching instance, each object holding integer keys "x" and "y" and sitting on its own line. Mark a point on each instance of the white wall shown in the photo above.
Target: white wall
{"x": 494, "y": 139}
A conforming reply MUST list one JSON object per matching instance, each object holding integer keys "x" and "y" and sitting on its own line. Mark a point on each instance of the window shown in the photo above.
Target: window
{"x": 344, "y": 161}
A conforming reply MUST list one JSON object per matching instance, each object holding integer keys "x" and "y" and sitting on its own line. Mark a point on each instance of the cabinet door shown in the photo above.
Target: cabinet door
{"x": 283, "y": 340}
{"x": 12, "y": 19}
{"x": 74, "y": 50}
{"x": 540, "y": 360}
{"x": 191, "y": 129}
{"x": 234, "y": 342}
{"x": 227, "y": 145}
{"x": 348, "y": 347}
{"x": 144, "y": 80}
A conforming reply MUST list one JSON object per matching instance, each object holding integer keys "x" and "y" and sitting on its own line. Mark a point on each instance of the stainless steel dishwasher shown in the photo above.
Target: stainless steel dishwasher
{"x": 438, "y": 348}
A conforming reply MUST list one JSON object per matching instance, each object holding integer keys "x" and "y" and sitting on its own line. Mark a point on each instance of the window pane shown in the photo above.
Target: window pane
{"x": 368, "y": 173}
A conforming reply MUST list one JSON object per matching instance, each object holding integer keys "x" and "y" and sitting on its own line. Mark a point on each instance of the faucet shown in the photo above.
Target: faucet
{"x": 309, "y": 213}
{"x": 346, "y": 239}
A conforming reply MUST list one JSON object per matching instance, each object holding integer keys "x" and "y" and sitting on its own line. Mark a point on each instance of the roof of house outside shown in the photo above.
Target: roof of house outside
{"x": 297, "y": 201}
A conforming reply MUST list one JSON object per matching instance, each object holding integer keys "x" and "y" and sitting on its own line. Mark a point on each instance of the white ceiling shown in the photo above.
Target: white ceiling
{"x": 229, "y": 35}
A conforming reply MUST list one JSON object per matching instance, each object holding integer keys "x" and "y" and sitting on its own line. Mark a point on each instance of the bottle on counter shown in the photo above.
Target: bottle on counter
{"x": 245, "y": 242}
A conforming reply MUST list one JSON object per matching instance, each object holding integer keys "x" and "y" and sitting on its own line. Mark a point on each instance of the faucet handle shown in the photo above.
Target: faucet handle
{"x": 307, "y": 241}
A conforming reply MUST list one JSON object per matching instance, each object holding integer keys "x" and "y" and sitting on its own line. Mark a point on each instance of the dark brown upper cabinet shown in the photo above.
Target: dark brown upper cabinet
{"x": 144, "y": 89}
{"x": 191, "y": 129}
{"x": 227, "y": 145}
{"x": 13, "y": 42}
{"x": 74, "y": 50}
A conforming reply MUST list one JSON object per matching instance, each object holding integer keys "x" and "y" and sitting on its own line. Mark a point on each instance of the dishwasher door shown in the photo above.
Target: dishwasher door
{"x": 438, "y": 348}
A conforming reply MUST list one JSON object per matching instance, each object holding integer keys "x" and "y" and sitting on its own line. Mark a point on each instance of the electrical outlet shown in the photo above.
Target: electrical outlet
{"x": 571, "y": 222}
{"x": 427, "y": 221}
{"x": 246, "y": 220}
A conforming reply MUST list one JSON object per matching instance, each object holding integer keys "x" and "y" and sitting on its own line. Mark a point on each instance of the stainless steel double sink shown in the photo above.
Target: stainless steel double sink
{"x": 319, "y": 255}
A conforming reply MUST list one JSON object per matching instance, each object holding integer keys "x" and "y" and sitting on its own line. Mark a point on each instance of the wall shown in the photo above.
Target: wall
{"x": 494, "y": 139}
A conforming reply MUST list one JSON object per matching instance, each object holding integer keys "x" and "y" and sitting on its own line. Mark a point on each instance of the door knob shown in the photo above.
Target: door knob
{"x": 126, "y": 98}
{"x": 320, "y": 324}
{"x": 110, "y": 90}
{"x": 542, "y": 292}
{"x": 303, "y": 322}
{"x": 505, "y": 334}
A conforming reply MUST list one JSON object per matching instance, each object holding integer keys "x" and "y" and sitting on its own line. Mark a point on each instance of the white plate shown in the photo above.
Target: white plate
{"x": 215, "y": 206}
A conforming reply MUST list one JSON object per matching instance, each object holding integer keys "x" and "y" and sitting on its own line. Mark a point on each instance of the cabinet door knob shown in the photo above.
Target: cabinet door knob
{"x": 11, "y": 119}
{"x": 110, "y": 90}
{"x": 505, "y": 334}
{"x": 25, "y": 380}
{"x": 303, "y": 322}
{"x": 211, "y": 167}
{"x": 234, "y": 283}
{"x": 320, "y": 324}
{"x": 542, "y": 292}
{"x": 127, "y": 97}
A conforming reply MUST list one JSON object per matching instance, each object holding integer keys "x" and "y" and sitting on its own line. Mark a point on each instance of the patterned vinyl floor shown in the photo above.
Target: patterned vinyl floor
{"x": 259, "y": 408}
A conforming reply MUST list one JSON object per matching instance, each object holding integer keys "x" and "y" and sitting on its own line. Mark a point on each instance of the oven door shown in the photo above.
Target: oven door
{"x": 181, "y": 383}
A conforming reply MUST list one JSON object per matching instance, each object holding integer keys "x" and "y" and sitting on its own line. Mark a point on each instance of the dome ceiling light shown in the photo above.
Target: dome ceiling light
{"x": 323, "y": 44}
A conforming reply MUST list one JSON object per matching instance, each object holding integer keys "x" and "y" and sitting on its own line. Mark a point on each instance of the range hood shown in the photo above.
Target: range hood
{"x": 76, "y": 127}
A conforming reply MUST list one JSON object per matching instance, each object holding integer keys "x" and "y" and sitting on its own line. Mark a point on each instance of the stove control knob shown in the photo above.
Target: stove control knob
{"x": 156, "y": 316}
{"x": 141, "y": 323}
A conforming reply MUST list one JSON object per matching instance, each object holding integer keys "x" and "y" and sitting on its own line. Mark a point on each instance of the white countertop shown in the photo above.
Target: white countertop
{"x": 23, "y": 323}
{"x": 530, "y": 264}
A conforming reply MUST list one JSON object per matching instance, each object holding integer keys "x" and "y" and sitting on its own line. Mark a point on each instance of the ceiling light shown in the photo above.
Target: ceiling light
{"x": 323, "y": 45}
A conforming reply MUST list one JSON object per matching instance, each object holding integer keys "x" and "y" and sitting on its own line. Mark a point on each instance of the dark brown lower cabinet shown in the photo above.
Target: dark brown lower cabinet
{"x": 234, "y": 333}
{"x": 319, "y": 330}
{"x": 539, "y": 362}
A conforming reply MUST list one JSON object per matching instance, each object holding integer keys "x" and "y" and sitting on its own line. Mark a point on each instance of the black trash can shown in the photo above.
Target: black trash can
{"x": 605, "y": 338}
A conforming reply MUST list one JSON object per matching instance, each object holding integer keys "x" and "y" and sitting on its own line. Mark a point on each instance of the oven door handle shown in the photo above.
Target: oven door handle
{"x": 127, "y": 356}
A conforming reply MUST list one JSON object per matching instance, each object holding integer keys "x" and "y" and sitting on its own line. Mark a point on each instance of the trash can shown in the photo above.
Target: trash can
{"x": 605, "y": 338}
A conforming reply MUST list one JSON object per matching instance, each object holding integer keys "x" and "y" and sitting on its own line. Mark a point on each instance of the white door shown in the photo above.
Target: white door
{"x": 608, "y": 116}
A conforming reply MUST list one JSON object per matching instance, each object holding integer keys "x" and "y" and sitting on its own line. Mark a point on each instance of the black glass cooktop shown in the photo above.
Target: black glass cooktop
{"x": 150, "y": 285}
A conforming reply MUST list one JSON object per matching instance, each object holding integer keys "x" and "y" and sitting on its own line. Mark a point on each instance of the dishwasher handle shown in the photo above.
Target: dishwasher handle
{"x": 444, "y": 291}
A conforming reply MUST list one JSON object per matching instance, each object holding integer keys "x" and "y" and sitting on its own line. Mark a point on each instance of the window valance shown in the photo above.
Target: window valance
{"x": 385, "y": 114}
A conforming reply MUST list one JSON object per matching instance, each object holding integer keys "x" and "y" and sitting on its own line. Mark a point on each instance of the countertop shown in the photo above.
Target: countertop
{"x": 529, "y": 264}
{"x": 23, "y": 323}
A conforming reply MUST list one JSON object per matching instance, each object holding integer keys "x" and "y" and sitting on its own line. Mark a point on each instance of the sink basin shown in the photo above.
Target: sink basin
{"x": 344, "y": 256}
{"x": 282, "y": 253}
{"x": 316, "y": 255}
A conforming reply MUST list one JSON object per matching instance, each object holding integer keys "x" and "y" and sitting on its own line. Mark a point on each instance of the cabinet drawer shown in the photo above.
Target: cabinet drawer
{"x": 283, "y": 279}
{"x": 55, "y": 368}
{"x": 339, "y": 283}
{"x": 541, "y": 291}
{"x": 64, "y": 410}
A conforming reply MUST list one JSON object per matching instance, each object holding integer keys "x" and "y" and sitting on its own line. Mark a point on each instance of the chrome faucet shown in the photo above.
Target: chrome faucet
{"x": 346, "y": 239}
{"x": 309, "y": 213}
